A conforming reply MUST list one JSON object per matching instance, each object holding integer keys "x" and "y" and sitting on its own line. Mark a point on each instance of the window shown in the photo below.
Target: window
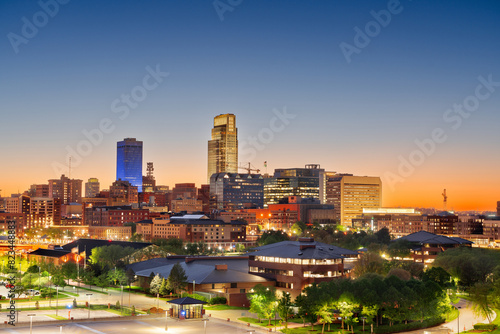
{"x": 234, "y": 285}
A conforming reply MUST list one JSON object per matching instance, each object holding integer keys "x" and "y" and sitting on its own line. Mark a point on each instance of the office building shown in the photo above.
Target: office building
{"x": 39, "y": 190}
{"x": 113, "y": 215}
{"x": 223, "y": 147}
{"x": 92, "y": 187}
{"x": 66, "y": 189}
{"x": 129, "y": 162}
{"x": 351, "y": 194}
{"x": 149, "y": 181}
{"x": 303, "y": 182}
{"x": 123, "y": 193}
{"x": 229, "y": 192}
{"x": 184, "y": 190}
{"x": 44, "y": 212}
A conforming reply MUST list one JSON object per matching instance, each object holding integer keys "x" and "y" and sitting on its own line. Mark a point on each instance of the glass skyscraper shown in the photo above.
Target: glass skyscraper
{"x": 223, "y": 148}
{"x": 129, "y": 162}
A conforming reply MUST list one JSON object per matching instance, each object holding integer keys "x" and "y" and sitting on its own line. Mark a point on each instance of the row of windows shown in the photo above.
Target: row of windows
{"x": 297, "y": 261}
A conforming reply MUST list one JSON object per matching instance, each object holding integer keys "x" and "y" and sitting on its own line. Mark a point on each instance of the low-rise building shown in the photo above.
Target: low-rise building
{"x": 296, "y": 264}
{"x": 123, "y": 233}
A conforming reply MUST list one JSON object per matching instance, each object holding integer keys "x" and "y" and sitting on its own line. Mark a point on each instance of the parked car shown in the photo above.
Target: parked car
{"x": 33, "y": 292}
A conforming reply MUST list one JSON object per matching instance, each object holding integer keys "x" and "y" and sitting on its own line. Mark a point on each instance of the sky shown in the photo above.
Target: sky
{"x": 408, "y": 91}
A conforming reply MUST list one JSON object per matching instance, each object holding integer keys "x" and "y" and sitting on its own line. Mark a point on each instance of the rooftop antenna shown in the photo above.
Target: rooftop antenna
{"x": 445, "y": 199}
{"x": 69, "y": 168}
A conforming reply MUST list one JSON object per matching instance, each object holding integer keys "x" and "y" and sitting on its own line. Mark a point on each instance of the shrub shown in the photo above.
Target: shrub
{"x": 485, "y": 327}
{"x": 409, "y": 326}
{"x": 218, "y": 300}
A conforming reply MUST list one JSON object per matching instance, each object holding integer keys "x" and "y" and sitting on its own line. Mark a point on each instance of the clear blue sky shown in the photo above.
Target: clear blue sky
{"x": 356, "y": 117}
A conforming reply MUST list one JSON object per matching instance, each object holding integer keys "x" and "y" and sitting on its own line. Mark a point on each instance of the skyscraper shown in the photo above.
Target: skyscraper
{"x": 223, "y": 148}
{"x": 129, "y": 162}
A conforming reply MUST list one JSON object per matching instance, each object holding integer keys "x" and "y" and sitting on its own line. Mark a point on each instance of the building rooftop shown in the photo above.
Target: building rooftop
{"x": 89, "y": 244}
{"x": 303, "y": 249}
{"x": 49, "y": 252}
{"x": 423, "y": 237}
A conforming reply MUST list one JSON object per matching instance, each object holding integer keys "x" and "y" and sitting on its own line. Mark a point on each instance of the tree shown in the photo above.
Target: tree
{"x": 438, "y": 275}
{"x": 177, "y": 279}
{"x": 109, "y": 255}
{"x": 164, "y": 290}
{"x": 117, "y": 277}
{"x": 69, "y": 270}
{"x": 285, "y": 309}
{"x": 263, "y": 301}
{"x": 480, "y": 297}
{"x": 298, "y": 228}
{"x": 383, "y": 236}
{"x": 154, "y": 286}
{"x": 400, "y": 248}
{"x": 370, "y": 262}
{"x": 271, "y": 237}
{"x": 308, "y": 302}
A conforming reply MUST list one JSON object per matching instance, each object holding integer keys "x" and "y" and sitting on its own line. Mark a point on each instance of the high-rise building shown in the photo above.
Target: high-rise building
{"x": 303, "y": 182}
{"x": 498, "y": 208}
{"x": 92, "y": 187}
{"x": 223, "y": 147}
{"x": 231, "y": 192}
{"x": 351, "y": 194}
{"x": 66, "y": 189}
{"x": 129, "y": 162}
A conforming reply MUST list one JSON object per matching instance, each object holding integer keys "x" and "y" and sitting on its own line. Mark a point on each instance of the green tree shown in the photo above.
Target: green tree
{"x": 285, "y": 309}
{"x": 480, "y": 296}
{"x": 164, "y": 290}
{"x": 383, "y": 236}
{"x": 109, "y": 255}
{"x": 400, "y": 248}
{"x": 370, "y": 262}
{"x": 271, "y": 237}
{"x": 263, "y": 301}
{"x": 177, "y": 279}
{"x": 117, "y": 277}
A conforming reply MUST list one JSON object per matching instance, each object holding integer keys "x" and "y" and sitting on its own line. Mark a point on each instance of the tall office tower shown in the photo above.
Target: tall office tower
{"x": 66, "y": 189}
{"x": 223, "y": 148}
{"x": 148, "y": 181}
{"x": 92, "y": 187}
{"x": 351, "y": 194}
{"x": 303, "y": 182}
{"x": 498, "y": 208}
{"x": 129, "y": 162}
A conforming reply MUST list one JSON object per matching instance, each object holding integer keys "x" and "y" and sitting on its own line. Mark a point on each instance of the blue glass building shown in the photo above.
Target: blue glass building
{"x": 129, "y": 162}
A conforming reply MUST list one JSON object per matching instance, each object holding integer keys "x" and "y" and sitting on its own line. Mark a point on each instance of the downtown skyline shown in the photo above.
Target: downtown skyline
{"x": 359, "y": 114}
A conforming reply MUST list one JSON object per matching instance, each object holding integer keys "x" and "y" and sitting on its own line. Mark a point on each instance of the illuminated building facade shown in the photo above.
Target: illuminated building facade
{"x": 184, "y": 190}
{"x": 296, "y": 264}
{"x": 230, "y": 192}
{"x": 123, "y": 193}
{"x": 351, "y": 194}
{"x": 92, "y": 187}
{"x": 44, "y": 212}
{"x": 129, "y": 162}
{"x": 303, "y": 182}
{"x": 223, "y": 147}
{"x": 66, "y": 189}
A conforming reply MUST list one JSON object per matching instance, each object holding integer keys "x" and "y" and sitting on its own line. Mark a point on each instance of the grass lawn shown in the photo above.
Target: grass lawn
{"x": 223, "y": 308}
{"x": 97, "y": 291}
{"x": 452, "y": 315}
{"x": 133, "y": 289}
{"x": 57, "y": 317}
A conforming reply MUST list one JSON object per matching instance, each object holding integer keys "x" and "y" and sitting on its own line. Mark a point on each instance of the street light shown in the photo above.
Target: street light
{"x": 88, "y": 295}
{"x": 121, "y": 305}
{"x": 166, "y": 322}
{"x": 458, "y": 319}
{"x": 194, "y": 282}
{"x": 57, "y": 299}
{"x": 31, "y": 322}
{"x": 205, "y": 324}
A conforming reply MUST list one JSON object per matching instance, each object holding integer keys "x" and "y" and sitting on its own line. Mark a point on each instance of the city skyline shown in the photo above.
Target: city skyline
{"x": 379, "y": 102}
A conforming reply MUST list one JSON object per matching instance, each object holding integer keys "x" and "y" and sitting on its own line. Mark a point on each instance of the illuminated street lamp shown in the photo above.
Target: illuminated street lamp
{"x": 88, "y": 295}
{"x": 31, "y": 322}
{"x": 57, "y": 299}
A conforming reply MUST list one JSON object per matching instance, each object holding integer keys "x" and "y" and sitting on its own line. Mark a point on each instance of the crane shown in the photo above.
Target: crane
{"x": 249, "y": 169}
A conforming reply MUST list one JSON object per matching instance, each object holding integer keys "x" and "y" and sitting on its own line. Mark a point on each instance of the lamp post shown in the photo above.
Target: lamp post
{"x": 205, "y": 325}
{"x": 363, "y": 318}
{"x": 194, "y": 282}
{"x": 166, "y": 322}
{"x": 458, "y": 320}
{"x": 88, "y": 295}
{"x": 57, "y": 299}
{"x": 31, "y": 322}
{"x": 121, "y": 305}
